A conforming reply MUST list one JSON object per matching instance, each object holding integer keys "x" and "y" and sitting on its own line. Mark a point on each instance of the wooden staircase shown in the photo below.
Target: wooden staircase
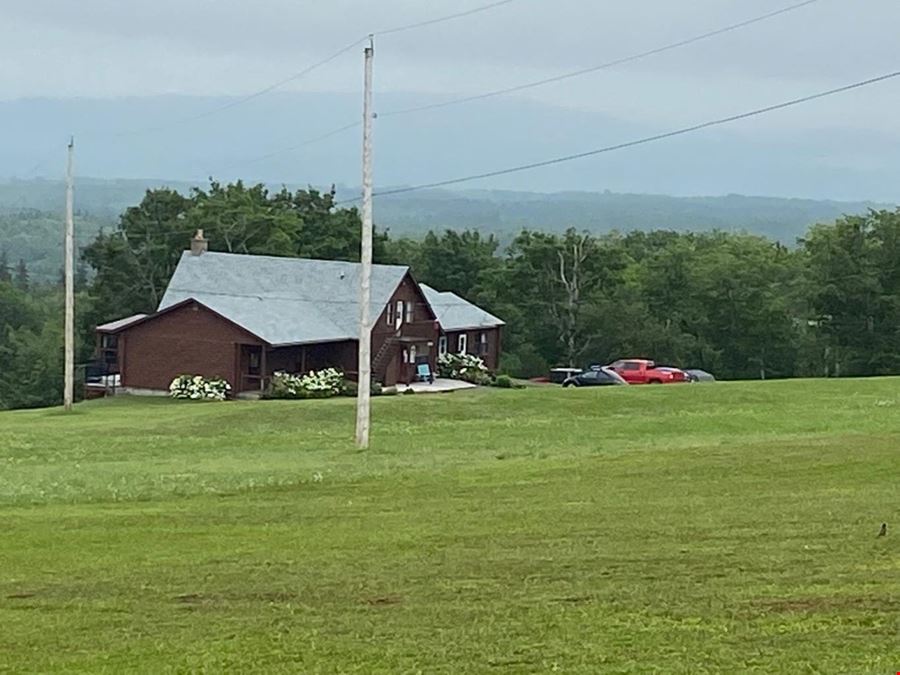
{"x": 383, "y": 357}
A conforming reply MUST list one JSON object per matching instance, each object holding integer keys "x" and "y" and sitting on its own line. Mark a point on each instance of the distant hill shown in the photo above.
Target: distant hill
{"x": 505, "y": 212}
{"x": 31, "y": 213}
{"x": 176, "y": 137}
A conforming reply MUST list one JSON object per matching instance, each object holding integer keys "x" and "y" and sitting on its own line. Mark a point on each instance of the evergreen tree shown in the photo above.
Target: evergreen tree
{"x": 21, "y": 279}
{"x": 81, "y": 276}
{"x": 5, "y": 272}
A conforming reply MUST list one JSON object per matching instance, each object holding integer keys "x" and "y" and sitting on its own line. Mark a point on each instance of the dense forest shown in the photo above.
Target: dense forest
{"x": 739, "y": 305}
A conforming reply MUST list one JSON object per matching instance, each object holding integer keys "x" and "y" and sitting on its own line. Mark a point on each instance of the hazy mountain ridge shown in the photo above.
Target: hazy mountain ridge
{"x": 505, "y": 212}
{"x": 31, "y": 213}
{"x": 189, "y": 138}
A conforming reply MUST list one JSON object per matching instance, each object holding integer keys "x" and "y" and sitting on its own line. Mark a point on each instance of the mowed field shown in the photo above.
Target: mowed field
{"x": 726, "y": 528}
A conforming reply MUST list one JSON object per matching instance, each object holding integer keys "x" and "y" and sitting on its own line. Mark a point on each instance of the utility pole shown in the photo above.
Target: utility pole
{"x": 68, "y": 393}
{"x": 363, "y": 395}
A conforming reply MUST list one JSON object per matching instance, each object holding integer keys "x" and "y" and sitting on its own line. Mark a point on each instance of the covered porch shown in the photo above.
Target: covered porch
{"x": 256, "y": 364}
{"x": 394, "y": 361}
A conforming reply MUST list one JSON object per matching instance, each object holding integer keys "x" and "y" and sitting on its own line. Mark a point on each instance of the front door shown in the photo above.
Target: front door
{"x": 251, "y": 370}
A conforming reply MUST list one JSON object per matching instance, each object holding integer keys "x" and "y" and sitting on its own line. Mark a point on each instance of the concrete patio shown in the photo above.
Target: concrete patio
{"x": 439, "y": 386}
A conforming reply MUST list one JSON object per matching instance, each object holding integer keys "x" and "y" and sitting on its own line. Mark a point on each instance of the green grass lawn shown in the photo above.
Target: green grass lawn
{"x": 727, "y": 528}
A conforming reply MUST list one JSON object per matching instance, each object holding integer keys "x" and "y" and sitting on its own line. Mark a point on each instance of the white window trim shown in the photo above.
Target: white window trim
{"x": 398, "y": 314}
{"x": 442, "y": 345}
{"x": 412, "y": 353}
{"x": 410, "y": 311}
{"x": 462, "y": 343}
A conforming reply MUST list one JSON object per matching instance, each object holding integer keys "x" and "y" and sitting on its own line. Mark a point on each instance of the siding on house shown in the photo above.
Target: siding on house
{"x": 423, "y": 328}
{"x": 490, "y": 354}
{"x": 188, "y": 339}
{"x": 460, "y": 318}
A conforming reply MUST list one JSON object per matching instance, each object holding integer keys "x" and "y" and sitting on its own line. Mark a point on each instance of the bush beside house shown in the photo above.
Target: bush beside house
{"x": 465, "y": 367}
{"x": 199, "y": 388}
{"x": 315, "y": 384}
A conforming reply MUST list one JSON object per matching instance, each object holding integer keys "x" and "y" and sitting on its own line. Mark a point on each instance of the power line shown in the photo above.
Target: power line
{"x": 538, "y": 83}
{"x": 602, "y": 66}
{"x": 302, "y": 144}
{"x": 248, "y": 97}
{"x": 449, "y": 17}
{"x": 315, "y": 66}
{"x": 353, "y": 125}
{"x": 630, "y": 144}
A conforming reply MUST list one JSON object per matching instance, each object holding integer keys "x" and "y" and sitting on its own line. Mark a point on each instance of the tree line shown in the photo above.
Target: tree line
{"x": 738, "y": 305}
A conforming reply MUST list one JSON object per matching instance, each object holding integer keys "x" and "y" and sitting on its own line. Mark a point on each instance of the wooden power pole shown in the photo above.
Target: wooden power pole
{"x": 69, "y": 391}
{"x": 363, "y": 396}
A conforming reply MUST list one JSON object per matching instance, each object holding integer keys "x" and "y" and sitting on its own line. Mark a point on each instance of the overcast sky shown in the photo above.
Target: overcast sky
{"x": 116, "y": 48}
{"x": 139, "y": 47}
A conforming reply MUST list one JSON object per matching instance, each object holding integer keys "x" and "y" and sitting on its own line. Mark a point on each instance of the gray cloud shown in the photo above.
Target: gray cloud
{"x": 116, "y": 48}
{"x": 238, "y": 45}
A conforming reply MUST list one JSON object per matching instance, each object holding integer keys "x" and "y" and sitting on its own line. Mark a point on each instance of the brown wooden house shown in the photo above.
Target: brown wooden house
{"x": 245, "y": 317}
{"x": 465, "y": 328}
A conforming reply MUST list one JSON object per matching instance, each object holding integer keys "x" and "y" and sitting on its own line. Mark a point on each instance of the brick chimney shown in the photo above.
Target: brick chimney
{"x": 199, "y": 245}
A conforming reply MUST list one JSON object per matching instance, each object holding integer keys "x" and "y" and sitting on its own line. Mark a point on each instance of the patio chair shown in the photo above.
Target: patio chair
{"x": 424, "y": 374}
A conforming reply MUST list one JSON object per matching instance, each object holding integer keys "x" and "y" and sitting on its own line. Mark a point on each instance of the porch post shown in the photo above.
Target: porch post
{"x": 263, "y": 369}
{"x": 236, "y": 369}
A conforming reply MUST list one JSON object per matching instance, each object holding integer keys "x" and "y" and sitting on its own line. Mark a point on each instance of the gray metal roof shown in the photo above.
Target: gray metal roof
{"x": 282, "y": 300}
{"x": 455, "y": 313}
{"x": 119, "y": 324}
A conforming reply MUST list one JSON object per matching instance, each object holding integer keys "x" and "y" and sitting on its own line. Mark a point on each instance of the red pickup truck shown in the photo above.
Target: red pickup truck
{"x": 642, "y": 371}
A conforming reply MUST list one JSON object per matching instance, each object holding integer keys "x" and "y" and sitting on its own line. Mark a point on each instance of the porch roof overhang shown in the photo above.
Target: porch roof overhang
{"x": 120, "y": 324}
{"x": 410, "y": 340}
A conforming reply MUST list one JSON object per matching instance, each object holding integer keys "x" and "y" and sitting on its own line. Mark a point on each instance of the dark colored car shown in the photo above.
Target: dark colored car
{"x": 595, "y": 377}
{"x": 697, "y": 375}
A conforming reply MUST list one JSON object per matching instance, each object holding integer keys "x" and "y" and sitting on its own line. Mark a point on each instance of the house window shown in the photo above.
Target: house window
{"x": 412, "y": 354}
{"x": 482, "y": 343}
{"x": 442, "y": 345}
{"x": 410, "y": 311}
{"x": 109, "y": 349}
{"x": 405, "y": 356}
{"x": 462, "y": 343}
{"x": 390, "y": 314}
{"x": 398, "y": 316}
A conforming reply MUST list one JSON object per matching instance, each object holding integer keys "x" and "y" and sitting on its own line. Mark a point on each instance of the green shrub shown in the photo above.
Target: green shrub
{"x": 322, "y": 384}
{"x": 504, "y": 382}
{"x": 524, "y": 362}
{"x": 199, "y": 388}
{"x": 351, "y": 389}
{"x": 465, "y": 367}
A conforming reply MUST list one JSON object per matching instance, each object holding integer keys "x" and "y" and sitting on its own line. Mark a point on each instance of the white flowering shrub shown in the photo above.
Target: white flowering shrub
{"x": 199, "y": 388}
{"x": 466, "y": 367}
{"x": 315, "y": 384}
